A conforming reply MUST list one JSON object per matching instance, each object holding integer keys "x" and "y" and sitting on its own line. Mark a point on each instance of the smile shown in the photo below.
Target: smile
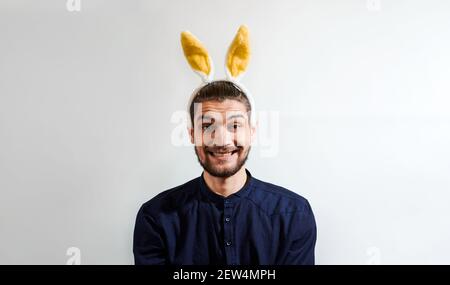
{"x": 223, "y": 154}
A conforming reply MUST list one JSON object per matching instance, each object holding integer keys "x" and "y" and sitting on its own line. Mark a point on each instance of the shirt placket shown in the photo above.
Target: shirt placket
{"x": 228, "y": 221}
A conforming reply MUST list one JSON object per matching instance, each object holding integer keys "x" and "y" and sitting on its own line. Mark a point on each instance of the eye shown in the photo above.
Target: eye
{"x": 207, "y": 127}
{"x": 235, "y": 126}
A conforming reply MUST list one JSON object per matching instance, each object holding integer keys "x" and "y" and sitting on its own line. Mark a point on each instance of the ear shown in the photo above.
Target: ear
{"x": 253, "y": 130}
{"x": 190, "y": 130}
{"x": 238, "y": 55}
{"x": 197, "y": 56}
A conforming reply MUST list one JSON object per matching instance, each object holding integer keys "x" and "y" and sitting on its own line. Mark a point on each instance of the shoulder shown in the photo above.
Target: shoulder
{"x": 170, "y": 200}
{"x": 275, "y": 199}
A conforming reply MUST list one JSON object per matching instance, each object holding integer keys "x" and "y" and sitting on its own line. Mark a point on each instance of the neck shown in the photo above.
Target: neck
{"x": 225, "y": 186}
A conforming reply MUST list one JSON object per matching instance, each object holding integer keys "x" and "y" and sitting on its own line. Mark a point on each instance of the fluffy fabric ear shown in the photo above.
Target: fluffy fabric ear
{"x": 238, "y": 55}
{"x": 197, "y": 56}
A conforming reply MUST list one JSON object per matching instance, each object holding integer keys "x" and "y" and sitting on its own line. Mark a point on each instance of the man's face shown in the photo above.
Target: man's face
{"x": 222, "y": 136}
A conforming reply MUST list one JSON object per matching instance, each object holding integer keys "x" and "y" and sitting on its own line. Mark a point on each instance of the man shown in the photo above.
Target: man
{"x": 225, "y": 216}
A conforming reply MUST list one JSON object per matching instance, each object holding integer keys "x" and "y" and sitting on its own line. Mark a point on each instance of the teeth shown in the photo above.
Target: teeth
{"x": 222, "y": 154}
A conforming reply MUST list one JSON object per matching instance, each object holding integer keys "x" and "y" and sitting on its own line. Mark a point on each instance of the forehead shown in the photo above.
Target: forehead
{"x": 225, "y": 109}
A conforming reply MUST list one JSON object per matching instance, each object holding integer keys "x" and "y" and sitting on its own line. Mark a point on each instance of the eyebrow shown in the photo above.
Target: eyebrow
{"x": 236, "y": 116}
{"x": 203, "y": 117}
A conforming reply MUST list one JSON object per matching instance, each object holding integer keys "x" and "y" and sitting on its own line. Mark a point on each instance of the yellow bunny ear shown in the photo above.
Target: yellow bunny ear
{"x": 197, "y": 55}
{"x": 238, "y": 55}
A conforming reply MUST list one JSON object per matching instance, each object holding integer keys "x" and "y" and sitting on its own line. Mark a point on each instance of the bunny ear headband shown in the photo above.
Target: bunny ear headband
{"x": 236, "y": 62}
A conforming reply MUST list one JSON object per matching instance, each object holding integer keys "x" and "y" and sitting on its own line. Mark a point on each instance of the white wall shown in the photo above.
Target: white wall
{"x": 86, "y": 100}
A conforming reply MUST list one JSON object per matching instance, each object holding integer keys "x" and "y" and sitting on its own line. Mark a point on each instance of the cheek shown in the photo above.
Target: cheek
{"x": 242, "y": 138}
{"x": 202, "y": 139}
{"x": 201, "y": 152}
{"x": 198, "y": 137}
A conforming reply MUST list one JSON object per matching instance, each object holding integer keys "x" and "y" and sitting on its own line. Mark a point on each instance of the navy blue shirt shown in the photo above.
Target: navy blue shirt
{"x": 260, "y": 224}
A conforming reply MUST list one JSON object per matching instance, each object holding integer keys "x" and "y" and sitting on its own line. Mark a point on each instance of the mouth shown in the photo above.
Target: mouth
{"x": 223, "y": 155}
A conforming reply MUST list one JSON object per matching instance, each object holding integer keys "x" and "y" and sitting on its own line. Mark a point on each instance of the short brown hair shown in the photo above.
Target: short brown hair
{"x": 220, "y": 90}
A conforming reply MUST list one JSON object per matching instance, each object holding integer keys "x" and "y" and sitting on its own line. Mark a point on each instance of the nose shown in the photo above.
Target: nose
{"x": 222, "y": 137}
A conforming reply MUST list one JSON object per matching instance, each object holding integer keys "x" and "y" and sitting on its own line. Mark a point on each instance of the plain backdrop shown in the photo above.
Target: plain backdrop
{"x": 361, "y": 89}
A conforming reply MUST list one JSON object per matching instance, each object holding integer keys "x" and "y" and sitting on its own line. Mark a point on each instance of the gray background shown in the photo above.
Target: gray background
{"x": 86, "y": 101}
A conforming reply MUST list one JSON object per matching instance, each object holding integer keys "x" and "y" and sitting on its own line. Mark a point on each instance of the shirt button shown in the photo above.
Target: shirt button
{"x": 227, "y": 219}
{"x": 228, "y": 243}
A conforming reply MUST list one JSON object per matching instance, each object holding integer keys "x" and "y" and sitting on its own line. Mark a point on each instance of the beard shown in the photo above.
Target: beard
{"x": 217, "y": 169}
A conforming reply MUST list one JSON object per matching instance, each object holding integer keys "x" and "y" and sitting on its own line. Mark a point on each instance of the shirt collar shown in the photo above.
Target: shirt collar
{"x": 243, "y": 192}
